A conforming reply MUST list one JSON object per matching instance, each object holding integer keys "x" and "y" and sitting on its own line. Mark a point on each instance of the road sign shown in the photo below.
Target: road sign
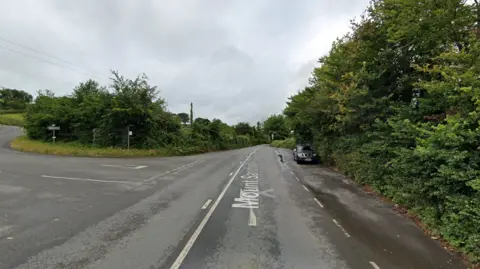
{"x": 130, "y": 133}
{"x": 53, "y": 128}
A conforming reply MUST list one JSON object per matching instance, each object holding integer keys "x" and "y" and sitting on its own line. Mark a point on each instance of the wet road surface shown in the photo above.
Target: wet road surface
{"x": 235, "y": 209}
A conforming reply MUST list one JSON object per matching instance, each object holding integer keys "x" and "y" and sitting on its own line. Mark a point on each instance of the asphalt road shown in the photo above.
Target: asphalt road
{"x": 234, "y": 209}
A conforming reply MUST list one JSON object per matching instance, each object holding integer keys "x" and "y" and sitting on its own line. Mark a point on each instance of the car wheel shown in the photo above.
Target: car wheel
{"x": 298, "y": 161}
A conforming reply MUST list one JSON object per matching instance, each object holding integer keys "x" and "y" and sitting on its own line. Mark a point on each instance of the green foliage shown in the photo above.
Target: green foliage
{"x": 244, "y": 128}
{"x": 288, "y": 143}
{"x": 396, "y": 105}
{"x": 184, "y": 117}
{"x": 100, "y": 117}
{"x": 11, "y": 99}
{"x": 275, "y": 125}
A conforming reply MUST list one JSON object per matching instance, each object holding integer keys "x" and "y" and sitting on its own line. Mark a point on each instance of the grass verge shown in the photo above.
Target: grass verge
{"x": 23, "y": 143}
{"x": 12, "y": 119}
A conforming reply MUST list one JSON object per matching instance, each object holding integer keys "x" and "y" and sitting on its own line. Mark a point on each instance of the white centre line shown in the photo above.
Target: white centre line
{"x": 206, "y": 203}
{"x": 252, "y": 221}
{"x": 297, "y": 179}
{"x": 318, "y": 202}
{"x": 306, "y": 188}
{"x": 91, "y": 180}
{"x": 291, "y": 172}
{"x": 202, "y": 224}
{"x": 374, "y": 265}
{"x": 341, "y": 228}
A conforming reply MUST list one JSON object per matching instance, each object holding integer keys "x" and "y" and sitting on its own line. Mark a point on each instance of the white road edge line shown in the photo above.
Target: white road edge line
{"x": 91, "y": 180}
{"x": 306, "y": 188}
{"x": 202, "y": 224}
{"x": 206, "y": 203}
{"x": 318, "y": 202}
{"x": 341, "y": 228}
{"x": 374, "y": 265}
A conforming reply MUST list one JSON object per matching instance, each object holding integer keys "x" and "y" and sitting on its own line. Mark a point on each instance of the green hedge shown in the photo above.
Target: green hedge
{"x": 288, "y": 143}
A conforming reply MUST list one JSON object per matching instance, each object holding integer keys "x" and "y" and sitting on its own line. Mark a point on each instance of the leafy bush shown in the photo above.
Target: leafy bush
{"x": 96, "y": 116}
{"x": 288, "y": 143}
{"x": 396, "y": 106}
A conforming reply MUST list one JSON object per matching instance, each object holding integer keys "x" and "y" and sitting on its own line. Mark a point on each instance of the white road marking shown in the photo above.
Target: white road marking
{"x": 177, "y": 169}
{"x": 297, "y": 179}
{"x": 9, "y": 238}
{"x": 306, "y": 188}
{"x": 206, "y": 203}
{"x": 341, "y": 228}
{"x": 252, "y": 218}
{"x": 374, "y": 265}
{"x": 318, "y": 202}
{"x": 230, "y": 174}
{"x": 291, "y": 172}
{"x": 140, "y": 167}
{"x": 202, "y": 224}
{"x": 267, "y": 193}
{"x": 129, "y": 166}
{"x": 91, "y": 180}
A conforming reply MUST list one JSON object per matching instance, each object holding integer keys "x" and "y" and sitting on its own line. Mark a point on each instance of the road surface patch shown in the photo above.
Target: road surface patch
{"x": 177, "y": 169}
{"x": 178, "y": 261}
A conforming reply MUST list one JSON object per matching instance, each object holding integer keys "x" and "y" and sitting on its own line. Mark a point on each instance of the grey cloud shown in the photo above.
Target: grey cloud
{"x": 235, "y": 60}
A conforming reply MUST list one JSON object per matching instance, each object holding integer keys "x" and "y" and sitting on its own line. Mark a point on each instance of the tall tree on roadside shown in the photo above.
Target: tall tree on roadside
{"x": 243, "y": 128}
{"x": 275, "y": 126}
{"x": 191, "y": 114}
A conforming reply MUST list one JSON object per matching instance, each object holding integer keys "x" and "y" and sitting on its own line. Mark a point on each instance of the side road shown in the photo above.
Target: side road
{"x": 372, "y": 222}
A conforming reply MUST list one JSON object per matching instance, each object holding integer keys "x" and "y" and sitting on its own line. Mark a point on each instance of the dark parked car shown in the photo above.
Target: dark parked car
{"x": 304, "y": 153}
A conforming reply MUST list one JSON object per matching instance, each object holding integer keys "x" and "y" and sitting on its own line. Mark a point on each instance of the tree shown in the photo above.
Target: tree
{"x": 14, "y": 99}
{"x": 183, "y": 117}
{"x": 243, "y": 128}
{"x": 395, "y": 104}
{"x": 275, "y": 125}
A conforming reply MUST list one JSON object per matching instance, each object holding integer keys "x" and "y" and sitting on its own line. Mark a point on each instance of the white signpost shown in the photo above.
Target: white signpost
{"x": 53, "y": 128}
{"x": 129, "y": 133}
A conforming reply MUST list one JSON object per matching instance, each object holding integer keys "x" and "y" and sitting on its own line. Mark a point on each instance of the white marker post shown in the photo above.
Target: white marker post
{"x": 53, "y": 128}
{"x": 130, "y": 133}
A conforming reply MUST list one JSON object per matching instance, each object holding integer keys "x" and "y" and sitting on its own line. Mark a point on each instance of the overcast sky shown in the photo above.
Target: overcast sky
{"x": 235, "y": 60}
